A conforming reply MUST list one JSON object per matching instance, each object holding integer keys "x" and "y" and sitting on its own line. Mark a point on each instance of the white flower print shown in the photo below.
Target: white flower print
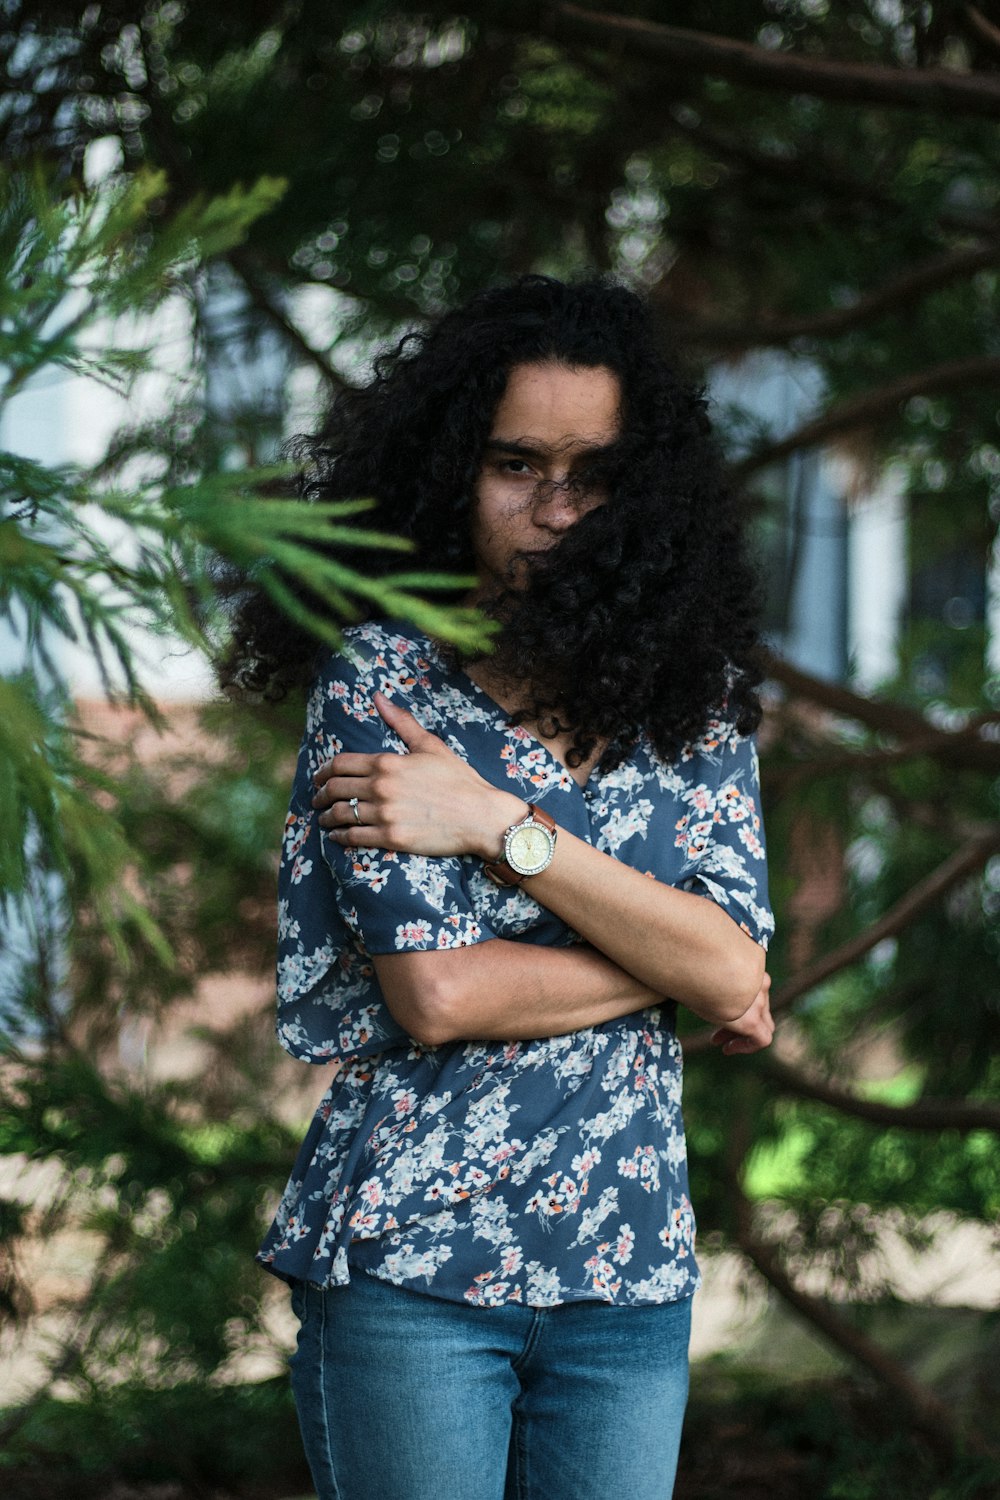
{"x": 625, "y": 778}
{"x": 624, "y": 1245}
{"x": 288, "y": 927}
{"x": 426, "y": 879}
{"x": 410, "y": 1263}
{"x": 592, "y": 1218}
{"x": 544, "y": 1286}
{"x": 623, "y": 824}
{"x": 537, "y": 1171}
{"x": 414, "y": 934}
{"x": 750, "y": 841}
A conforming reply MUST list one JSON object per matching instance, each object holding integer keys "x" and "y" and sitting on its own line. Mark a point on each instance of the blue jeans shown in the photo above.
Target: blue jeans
{"x": 402, "y": 1396}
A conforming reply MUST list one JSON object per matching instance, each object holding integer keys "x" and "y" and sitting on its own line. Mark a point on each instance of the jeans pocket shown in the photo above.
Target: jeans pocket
{"x": 300, "y": 1301}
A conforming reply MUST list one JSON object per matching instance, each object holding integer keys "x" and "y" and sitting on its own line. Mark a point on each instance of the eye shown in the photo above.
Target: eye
{"x": 518, "y": 467}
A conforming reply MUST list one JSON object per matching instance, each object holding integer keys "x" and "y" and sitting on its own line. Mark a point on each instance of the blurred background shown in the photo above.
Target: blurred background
{"x": 213, "y": 218}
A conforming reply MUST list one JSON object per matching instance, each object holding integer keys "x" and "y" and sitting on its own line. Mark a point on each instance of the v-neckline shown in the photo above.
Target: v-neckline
{"x": 468, "y": 682}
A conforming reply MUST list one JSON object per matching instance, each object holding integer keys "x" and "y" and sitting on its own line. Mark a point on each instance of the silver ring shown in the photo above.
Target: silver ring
{"x": 353, "y": 805}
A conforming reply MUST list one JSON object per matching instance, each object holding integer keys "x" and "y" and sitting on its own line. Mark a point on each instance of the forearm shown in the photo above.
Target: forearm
{"x": 678, "y": 943}
{"x": 505, "y": 991}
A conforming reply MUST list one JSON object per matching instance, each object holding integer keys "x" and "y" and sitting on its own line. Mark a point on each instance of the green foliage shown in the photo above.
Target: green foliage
{"x": 81, "y": 562}
{"x": 749, "y": 1431}
{"x": 241, "y": 1435}
{"x": 416, "y": 155}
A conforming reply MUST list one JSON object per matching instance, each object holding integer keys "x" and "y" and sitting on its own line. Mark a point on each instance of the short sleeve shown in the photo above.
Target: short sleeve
{"x": 337, "y": 906}
{"x": 329, "y": 1002}
{"x": 722, "y": 831}
{"x": 392, "y": 902}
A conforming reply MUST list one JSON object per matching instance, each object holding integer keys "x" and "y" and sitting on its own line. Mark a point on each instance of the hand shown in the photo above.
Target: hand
{"x": 426, "y": 802}
{"x": 754, "y": 1029}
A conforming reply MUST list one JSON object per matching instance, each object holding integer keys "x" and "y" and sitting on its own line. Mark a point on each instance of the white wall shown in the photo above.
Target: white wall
{"x": 61, "y": 417}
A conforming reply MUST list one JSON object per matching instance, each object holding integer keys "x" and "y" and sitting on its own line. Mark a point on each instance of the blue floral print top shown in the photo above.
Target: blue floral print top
{"x": 538, "y": 1172}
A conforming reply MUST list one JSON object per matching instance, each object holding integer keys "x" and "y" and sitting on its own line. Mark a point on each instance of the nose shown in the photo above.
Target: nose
{"x": 556, "y": 503}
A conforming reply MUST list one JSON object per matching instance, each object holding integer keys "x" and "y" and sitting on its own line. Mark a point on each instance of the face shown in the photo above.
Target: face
{"x": 552, "y": 420}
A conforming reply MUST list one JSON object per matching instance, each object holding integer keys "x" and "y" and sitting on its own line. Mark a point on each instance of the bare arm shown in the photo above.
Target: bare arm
{"x": 506, "y": 991}
{"x": 666, "y": 941}
{"x": 678, "y": 943}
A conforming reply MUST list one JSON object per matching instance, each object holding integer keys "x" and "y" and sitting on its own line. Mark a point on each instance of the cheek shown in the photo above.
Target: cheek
{"x": 497, "y": 509}
{"x": 594, "y": 500}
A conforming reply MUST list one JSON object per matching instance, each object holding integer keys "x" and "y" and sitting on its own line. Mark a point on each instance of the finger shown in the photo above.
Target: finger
{"x": 402, "y": 722}
{"x": 755, "y": 1042}
{"x": 740, "y": 1046}
{"x": 351, "y": 836}
{"x": 735, "y": 1043}
{"x": 351, "y": 763}
{"x": 341, "y": 815}
{"x": 342, "y": 789}
{"x": 322, "y": 772}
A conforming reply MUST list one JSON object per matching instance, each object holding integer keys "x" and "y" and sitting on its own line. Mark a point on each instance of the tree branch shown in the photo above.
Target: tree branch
{"x": 807, "y": 768}
{"x": 963, "y": 1115}
{"x": 815, "y": 171}
{"x": 910, "y": 286}
{"x": 756, "y": 67}
{"x": 982, "y": 29}
{"x": 827, "y": 175}
{"x": 928, "y": 1413}
{"x": 965, "y": 748}
{"x": 873, "y": 405}
{"x": 243, "y": 264}
{"x": 964, "y": 861}
{"x": 878, "y": 714}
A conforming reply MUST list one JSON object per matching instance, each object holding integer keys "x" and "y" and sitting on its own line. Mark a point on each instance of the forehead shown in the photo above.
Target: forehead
{"x": 557, "y": 404}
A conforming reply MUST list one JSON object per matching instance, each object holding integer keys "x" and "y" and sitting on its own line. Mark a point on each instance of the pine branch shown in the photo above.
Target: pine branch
{"x": 883, "y": 402}
{"x": 963, "y": 1115}
{"x": 939, "y": 89}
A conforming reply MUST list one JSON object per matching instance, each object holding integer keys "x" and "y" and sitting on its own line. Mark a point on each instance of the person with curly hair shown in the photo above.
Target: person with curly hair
{"x": 501, "y": 875}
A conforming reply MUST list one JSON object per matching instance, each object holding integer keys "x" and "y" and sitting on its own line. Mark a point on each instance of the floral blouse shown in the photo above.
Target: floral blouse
{"x": 487, "y": 1172}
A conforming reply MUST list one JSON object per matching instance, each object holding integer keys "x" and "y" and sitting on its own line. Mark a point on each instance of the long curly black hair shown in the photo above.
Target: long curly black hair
{"x": 644, "y": 616}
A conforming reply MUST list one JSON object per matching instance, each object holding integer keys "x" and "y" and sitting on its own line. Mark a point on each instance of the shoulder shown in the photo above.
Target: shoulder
{"x": 385, "y": 643}
{"x": 719, "y": 737}
{"x": 381, "y": 654}
{"x": 706, "y": 758}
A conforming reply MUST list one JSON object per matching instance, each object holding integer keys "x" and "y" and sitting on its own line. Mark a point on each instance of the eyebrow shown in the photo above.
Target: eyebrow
{"x": 529, "y": 450}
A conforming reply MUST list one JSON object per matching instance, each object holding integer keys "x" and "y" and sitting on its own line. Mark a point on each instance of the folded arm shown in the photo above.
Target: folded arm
{"x": 653, "y": 939}
{"x": 504, "y": 991}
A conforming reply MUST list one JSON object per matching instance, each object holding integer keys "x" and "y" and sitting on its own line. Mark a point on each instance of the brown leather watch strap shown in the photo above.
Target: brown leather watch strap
{"x": 498, "y": 870}
{"x": 541, "y": 816}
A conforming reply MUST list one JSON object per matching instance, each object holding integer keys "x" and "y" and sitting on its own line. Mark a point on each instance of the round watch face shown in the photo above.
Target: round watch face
{"x": 529, "y": 848}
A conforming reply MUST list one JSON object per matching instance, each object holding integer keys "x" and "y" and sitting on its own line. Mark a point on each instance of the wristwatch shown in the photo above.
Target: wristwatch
{"x": 528, "y": 847}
